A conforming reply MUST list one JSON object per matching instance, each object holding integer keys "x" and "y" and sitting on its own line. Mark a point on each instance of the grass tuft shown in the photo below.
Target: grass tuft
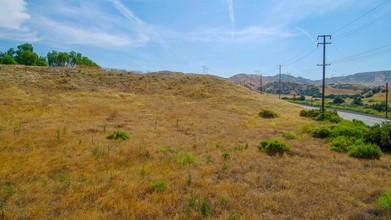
{"x": 123, "y": 135}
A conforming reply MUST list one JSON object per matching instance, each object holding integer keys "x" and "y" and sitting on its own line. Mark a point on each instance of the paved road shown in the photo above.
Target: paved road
{"x": 367, "y": 119}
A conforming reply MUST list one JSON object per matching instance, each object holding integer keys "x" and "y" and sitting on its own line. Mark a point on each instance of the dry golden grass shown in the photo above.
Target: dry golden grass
{"x": 57, "y": 163}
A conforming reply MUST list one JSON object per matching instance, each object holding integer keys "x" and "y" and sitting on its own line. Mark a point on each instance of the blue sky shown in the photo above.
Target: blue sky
{"x": 227, "y": 36}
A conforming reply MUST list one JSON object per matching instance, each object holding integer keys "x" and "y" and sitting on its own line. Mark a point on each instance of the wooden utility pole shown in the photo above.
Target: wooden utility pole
{"x": 279, "y": 84}
{"x": 386, "y": 99}
{"x": 260, "y": 84}
{"x": 324, "y": 66}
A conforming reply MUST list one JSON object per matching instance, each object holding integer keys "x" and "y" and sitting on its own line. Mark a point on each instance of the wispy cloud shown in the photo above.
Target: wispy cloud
{"x": 126, "y": 12}
{"x": 231, "y": 13}
{"x": 252, "y": 34}
{"x": 306, "y": 33}
{"x": 13, "y": 15}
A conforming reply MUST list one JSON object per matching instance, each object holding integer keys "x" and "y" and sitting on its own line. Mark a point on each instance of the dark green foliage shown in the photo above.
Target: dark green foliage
{"x": 265, "y": 113}
{"x": 118, "y": 135}
{"x": 357, "y": 101}
{"x": 273, "y": 147}
{"x": 42, "y": 62}
{"x": 380, "y": 135}
{"x": 28, "y": 58}
{"x": 331, "y": 116}
{"x": 385, "y": 200}
{"x": 380, "y": 107}
{"x": 302, "y": 98}
{"x": 321, "y": 132}
{"x": 71, "y": 59}
{"x": 365, "y": 151}
{"x": 338, "y": 100}
{"x": 7, "y": 59}
{"x": 341, "y": 144}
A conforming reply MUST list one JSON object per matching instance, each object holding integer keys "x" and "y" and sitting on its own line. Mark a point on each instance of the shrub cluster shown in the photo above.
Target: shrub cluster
{"x": 273, "y": 147}
{"x": 385, "y": 200}
{"x": 357, "y": 139}
{"x": 265, "y": 113}
{"x": 316, "y": 114}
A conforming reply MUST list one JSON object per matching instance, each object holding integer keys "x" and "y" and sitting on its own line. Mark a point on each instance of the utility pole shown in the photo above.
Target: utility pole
{"x": 386, "y": 99}
{"x": 324, "y": 67}
{"x": 204, "y": 70}
{"x": 279, "y": 84}
{"x": 260, "y": 84}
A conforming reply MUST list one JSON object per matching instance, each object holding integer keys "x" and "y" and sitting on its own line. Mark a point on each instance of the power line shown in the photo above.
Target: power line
{"x": 359, "y": 28}
{"x": 361, "y": 16}
{"x": 372, "y": 52}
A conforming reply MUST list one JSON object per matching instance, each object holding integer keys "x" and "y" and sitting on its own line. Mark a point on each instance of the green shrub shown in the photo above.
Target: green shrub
{"x": 331, "y": 116}
{"x": 321, "y": 132}
{"x": 365, "y": 151}
{"x": 118, "y": 135}
{"x": 186, "y": 158}
{"x": 312, "y": 113}
{"x": 289, "y": 135}
{"x": 159, "y": 185}
{"x": 273, "y": 147}
{"x": 348, "y": 131}
{"x": 341, "y": 144}
{"x": 380, "y": 135}
{"x": 265, "y": 113}
{"x": 385, "y": 200}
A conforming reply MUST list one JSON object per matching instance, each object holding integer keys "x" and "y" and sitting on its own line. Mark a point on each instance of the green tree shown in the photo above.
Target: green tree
{"x": 7, "y": 59}
{"x": 63, "y": 59}
{"x": 53, "y": 58}
{"x": 42, "y": 61}
{"x": 338, "y": 100}
{"x": 28, "y": 58}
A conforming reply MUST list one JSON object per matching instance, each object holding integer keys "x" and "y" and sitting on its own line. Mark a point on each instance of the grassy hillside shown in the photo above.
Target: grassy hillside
{"x": 56, "y": 161}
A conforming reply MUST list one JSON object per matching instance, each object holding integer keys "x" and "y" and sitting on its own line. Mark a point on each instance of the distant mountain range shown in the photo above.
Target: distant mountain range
{"x": 370, "y": 79}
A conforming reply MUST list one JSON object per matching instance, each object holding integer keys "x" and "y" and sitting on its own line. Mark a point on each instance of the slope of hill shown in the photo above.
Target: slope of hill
{"x": 56, "y": 161}
{"x": 367, "y": 79}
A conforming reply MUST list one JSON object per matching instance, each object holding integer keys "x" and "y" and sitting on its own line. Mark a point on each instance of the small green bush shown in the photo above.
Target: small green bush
{"x": 385, "y": 200}
{"x": 289, "y": 135}
{"x": 273, "y": 147}
{"x": 159, "y": 185}
{"x": 186, "y": 158}
{"x": 366, "y": 151}
{"x": 225, "y": 155}
{"x": 265, "y": 113}
{"x": 123, "y": 135}
{"x": 321, "y": 132}
{"x": 341, "y": 144}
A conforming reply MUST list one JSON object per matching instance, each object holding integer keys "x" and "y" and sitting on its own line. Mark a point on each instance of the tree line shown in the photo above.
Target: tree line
{"x": 25, "y": 55}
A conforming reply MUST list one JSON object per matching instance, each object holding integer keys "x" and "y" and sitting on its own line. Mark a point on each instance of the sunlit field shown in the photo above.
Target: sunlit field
{"x": 192, "y": 151}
